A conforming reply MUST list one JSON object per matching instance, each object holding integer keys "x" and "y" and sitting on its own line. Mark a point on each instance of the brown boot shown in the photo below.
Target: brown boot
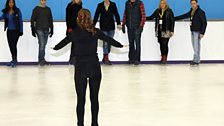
{"x": 163, "y": 59}
{"x": 106, "y": 60}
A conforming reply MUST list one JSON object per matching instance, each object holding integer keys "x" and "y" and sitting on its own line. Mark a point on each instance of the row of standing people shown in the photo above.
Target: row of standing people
{"x": 85, "y": 38}
{"x": 134, "y": 18}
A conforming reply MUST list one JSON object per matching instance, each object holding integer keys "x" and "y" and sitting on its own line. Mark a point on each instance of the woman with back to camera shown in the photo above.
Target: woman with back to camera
{"x": 14, "y": 25}
{"x": 164, "y": 27}
{"x": 87, "y": 67}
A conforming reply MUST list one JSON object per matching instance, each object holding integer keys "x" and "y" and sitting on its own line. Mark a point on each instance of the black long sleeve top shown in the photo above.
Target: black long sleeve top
{"x": 85, "y": 44}
{"x": 107, "y": 17}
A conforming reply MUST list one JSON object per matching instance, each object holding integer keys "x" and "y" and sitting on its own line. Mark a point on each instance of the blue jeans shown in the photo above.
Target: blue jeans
{"x": 106, "y": 46}
{"x": 42, "y": 36}
{"x": 195, "y": 36}
{"x": 134, "y": 37}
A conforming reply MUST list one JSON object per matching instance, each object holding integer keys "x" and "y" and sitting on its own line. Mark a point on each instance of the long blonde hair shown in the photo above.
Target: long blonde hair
{"x": 167, "y": 5}
{"x": 80, "y": 2}
{"x": 85, "y": 22}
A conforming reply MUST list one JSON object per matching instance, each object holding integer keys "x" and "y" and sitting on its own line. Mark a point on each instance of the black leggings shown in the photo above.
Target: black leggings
{"x": 87, "y": 71}
{"x": 13, "y": 37}
{"x": 164, "y": 45}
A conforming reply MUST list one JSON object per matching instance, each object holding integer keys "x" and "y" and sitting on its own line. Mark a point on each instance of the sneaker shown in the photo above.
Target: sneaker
{"x": 12, "y": 64}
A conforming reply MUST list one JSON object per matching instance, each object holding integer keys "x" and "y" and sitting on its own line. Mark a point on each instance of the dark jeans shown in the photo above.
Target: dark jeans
{"x": 164, "y": 45}
{"x": 106, "y": 46}
{"x": 134, "y": 36}
{"x": 87, "y": 71}
{"x": 42, "y": 40}
{"x": 13, "y": 37}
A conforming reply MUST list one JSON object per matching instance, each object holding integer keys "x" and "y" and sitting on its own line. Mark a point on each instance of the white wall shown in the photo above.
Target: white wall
{"x": 180, "y": 44}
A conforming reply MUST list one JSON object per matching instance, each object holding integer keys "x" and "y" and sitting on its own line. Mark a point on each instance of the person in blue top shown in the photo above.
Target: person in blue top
{"x": 14, "y": 24}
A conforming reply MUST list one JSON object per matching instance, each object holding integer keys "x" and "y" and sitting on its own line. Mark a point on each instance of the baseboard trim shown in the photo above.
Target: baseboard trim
{"x": 123, "y": 62}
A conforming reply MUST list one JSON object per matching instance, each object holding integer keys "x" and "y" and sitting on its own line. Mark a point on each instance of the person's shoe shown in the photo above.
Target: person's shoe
{"x": 194, "y": 64}
{"x": 12, "y": 64}
{"x": 43, "y": 63}
{"x": 106, "y": 60}
{"x": 136, "y": 63}
{"x": 163, "y": 60}
{"x": 130, "y": 62}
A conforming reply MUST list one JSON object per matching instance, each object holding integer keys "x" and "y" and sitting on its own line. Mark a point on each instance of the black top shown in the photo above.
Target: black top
{"x": 198, "y": 21}
{"x": 85, "y": 44}
{"x": 167, "y": 18}
{"x": 42, "y": 18}
{"x": 71, "y": 15}
{"x": 107, "y": 17}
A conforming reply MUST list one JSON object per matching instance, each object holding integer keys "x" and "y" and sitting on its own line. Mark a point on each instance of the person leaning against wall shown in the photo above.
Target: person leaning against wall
{"x": 42, "y": 27}
{"x": 14, "y": 24}
{"x": 134, "y": 18}
{"x": 198, "y": 24}
{"x": 72, "y": 10}
{"x": 106, "y": 11}
{"x": 164, "y": 27}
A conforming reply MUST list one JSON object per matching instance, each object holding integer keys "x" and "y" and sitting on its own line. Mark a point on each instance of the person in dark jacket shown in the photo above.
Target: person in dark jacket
{"x": 107, "y": 10}
{"x": 198, "y": 24}
{"x": 164, "y": 27}
{"x": 87, "y": 66}
{"x": 42, "y": 26}
{"x": 134, "y": 19}
{"x": 14, "y": 25}
{"x": 72, "y": 10}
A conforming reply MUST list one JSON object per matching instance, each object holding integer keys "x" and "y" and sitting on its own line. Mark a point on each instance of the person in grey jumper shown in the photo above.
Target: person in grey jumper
{"x": 42, "y": 27}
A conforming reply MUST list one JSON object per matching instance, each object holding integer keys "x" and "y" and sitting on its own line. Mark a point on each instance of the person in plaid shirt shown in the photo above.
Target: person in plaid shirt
{"x": 134, "y": 19}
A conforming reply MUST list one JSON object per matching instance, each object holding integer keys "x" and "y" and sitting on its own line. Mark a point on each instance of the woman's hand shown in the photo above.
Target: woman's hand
{"x": 171, "y": 34}
{"x": 127, "y": 45}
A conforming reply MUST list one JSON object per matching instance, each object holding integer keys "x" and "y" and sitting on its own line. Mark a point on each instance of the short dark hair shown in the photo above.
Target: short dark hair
{"x": 195, "y": 1}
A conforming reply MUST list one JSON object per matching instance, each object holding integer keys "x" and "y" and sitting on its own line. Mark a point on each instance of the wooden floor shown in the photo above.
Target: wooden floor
{"x": 147, "y": 95}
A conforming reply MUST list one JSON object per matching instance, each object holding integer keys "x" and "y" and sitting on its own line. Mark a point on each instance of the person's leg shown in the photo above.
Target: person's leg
{"x": 107, "y": 48}
{"x": 41, "y": 35}
{"x": 137, "y": 56}
{"x": 164, "y": 49}
{"x": 94, "y": 83}
{"x": 80, "y": 85}
{"x": 110, "y": 34}
{"x": 13, "y": 38}
{"x": 72, "y": 55}
{"x": 131, "y": 36}
{"x": 195, "y": 36}
{"x": 46, "y": 35}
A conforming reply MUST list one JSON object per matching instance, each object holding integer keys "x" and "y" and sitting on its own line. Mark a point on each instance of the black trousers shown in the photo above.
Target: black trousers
{"x": 72, "y": 54}
{"x": 134, "y": 37}
{"x": 164, "y": 45}
{"x": 13, "y": 37}
{"x": 87, "y": 71}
